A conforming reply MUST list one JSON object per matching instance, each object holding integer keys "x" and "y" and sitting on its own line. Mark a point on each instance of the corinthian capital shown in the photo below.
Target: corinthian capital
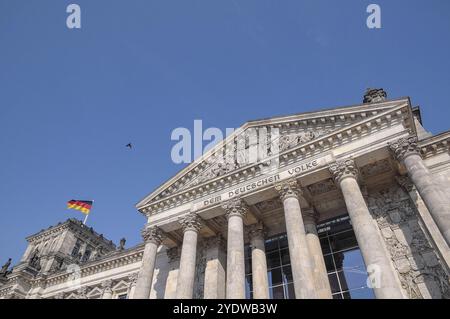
{"x": 191, "y": 221}
{"x": 235, "y": 207}
{"x": 404, "y": 147}
{"x": 289, "y": 188}
{"x": 342, "y": 169}
{"x": 152, "y": 235}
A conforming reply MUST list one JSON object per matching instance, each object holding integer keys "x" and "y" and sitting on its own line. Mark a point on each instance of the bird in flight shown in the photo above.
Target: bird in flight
{"x": 129, "y": 145}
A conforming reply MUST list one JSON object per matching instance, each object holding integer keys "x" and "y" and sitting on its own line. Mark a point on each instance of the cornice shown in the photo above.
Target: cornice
{"x": 52, "y": 231}
{"x": 14, "y": 279}
{"x": 77, "y": 227}
{"x": 372, "y": 119}
{"x": 435, "y": 145}
{"x": 111, "y": 261}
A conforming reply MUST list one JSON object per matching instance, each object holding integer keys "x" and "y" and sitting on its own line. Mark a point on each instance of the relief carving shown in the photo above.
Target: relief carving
{"x": 419, "y": 268}
{"x": 289, "y": 140}
{"x": 233, "y": 157}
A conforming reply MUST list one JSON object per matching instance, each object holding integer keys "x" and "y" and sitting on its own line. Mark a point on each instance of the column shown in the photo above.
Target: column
{"x": 236, "y": 209}
{"x": 132, "y": 279}
{"x": 214, "y": 287}
{"x": 298, "y": 248}
{"x": 152, "y": 237}
{"x": 407, "y": 152}
{"x": 321, "y": 282}
{"x": 259, "y": 262}
{"x": 107, "y": 289}
{"x": 381, "y": 273}
{"x": 173, "y": 258}
{"x": 186, "y": 275}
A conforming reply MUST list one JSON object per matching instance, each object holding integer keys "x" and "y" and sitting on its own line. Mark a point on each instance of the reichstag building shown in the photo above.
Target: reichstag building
{"x": 354, "y": 203}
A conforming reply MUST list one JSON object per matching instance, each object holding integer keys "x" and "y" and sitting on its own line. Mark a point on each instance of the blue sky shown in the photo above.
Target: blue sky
{"x": 71, "y": 99}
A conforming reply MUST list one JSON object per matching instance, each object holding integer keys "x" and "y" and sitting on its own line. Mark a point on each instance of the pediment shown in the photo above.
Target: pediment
{"x": 122, "y": 285}
{"x": 95, "y": 293}
{"x": 72, "y": 296}
{"x": 237, "y": 151}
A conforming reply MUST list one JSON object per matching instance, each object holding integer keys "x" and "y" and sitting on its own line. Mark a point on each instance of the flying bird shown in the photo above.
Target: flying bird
{"x": 129, "y": 145}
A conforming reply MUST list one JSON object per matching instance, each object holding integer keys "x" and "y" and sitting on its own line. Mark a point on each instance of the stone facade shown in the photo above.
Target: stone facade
{"x": 373, "y": 163}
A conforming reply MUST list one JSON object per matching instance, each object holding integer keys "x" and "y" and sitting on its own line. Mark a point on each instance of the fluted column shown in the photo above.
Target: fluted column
{"x": 107, "y": 289}
{"x": 384, "y": 281}
{"x": 298, "y": 248}
{"x": 185, "y": 283}
{"x": 407, "y": 151}
{"x": 153, "y": 237}
{"x": 173, "y": 258}
{"x": 215, "y": 270}
{"x": 259, "y": 263}
{"x": 132, "y": 279}
{"x": 321, "y": 282}
{"x": 235, "y": 209}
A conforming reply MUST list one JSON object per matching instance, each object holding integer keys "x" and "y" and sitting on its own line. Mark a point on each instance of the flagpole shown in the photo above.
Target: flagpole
{"x": 87, "y": 215}
{"x": 85, "y": 219}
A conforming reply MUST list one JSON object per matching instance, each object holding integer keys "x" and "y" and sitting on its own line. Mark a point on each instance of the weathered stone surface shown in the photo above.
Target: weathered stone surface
{"x": 419, "y": 269}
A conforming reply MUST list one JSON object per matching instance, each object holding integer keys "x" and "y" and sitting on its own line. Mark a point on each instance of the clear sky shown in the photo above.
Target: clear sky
{"x": 70, "y": 100}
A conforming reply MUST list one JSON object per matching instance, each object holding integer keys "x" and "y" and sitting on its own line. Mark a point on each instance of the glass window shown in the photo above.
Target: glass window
{"x": 353, "y": 279}
{"x": 76, "y": 248}
{"x": 248, "y": 265}
{"x": 271, "y": 245}
{"x": 283, "y": 242}
{"x": 334, "y": 283}
{"x": 86, "y": 256}
{"x": 291, "y": 291}
{"x": 353, "y": 259}
{"x": 278, "y": 292}
{"x": 325, "y": 245}
{"x": 287, "y": 274}
{"x": 363, "y": 293}
{"x": 345, "y": 265}
{"x": 285, "y": 259}
{"x": 273, "y": 260}
{"x": 275, "y": 277}
{"x": 343, "y": 260}
{"x": 248, "y": 283}
{"x": 329, "y": 263}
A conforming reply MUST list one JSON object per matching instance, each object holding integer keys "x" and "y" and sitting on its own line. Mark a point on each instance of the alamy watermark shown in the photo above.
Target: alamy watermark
{"x": 374, "y": 19}
{"x": 252, "y": 146}
{"x": 73, "y": 20}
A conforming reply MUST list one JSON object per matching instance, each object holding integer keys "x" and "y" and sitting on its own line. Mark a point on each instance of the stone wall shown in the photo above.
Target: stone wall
{"x": 419, "y": 267}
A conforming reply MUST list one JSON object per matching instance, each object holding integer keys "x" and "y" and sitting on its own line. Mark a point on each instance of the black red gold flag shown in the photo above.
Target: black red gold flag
{"x": 82, "y": 205}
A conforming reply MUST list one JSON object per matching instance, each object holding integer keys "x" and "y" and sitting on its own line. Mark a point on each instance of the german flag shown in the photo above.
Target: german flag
{"x": 82, "y": 205}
